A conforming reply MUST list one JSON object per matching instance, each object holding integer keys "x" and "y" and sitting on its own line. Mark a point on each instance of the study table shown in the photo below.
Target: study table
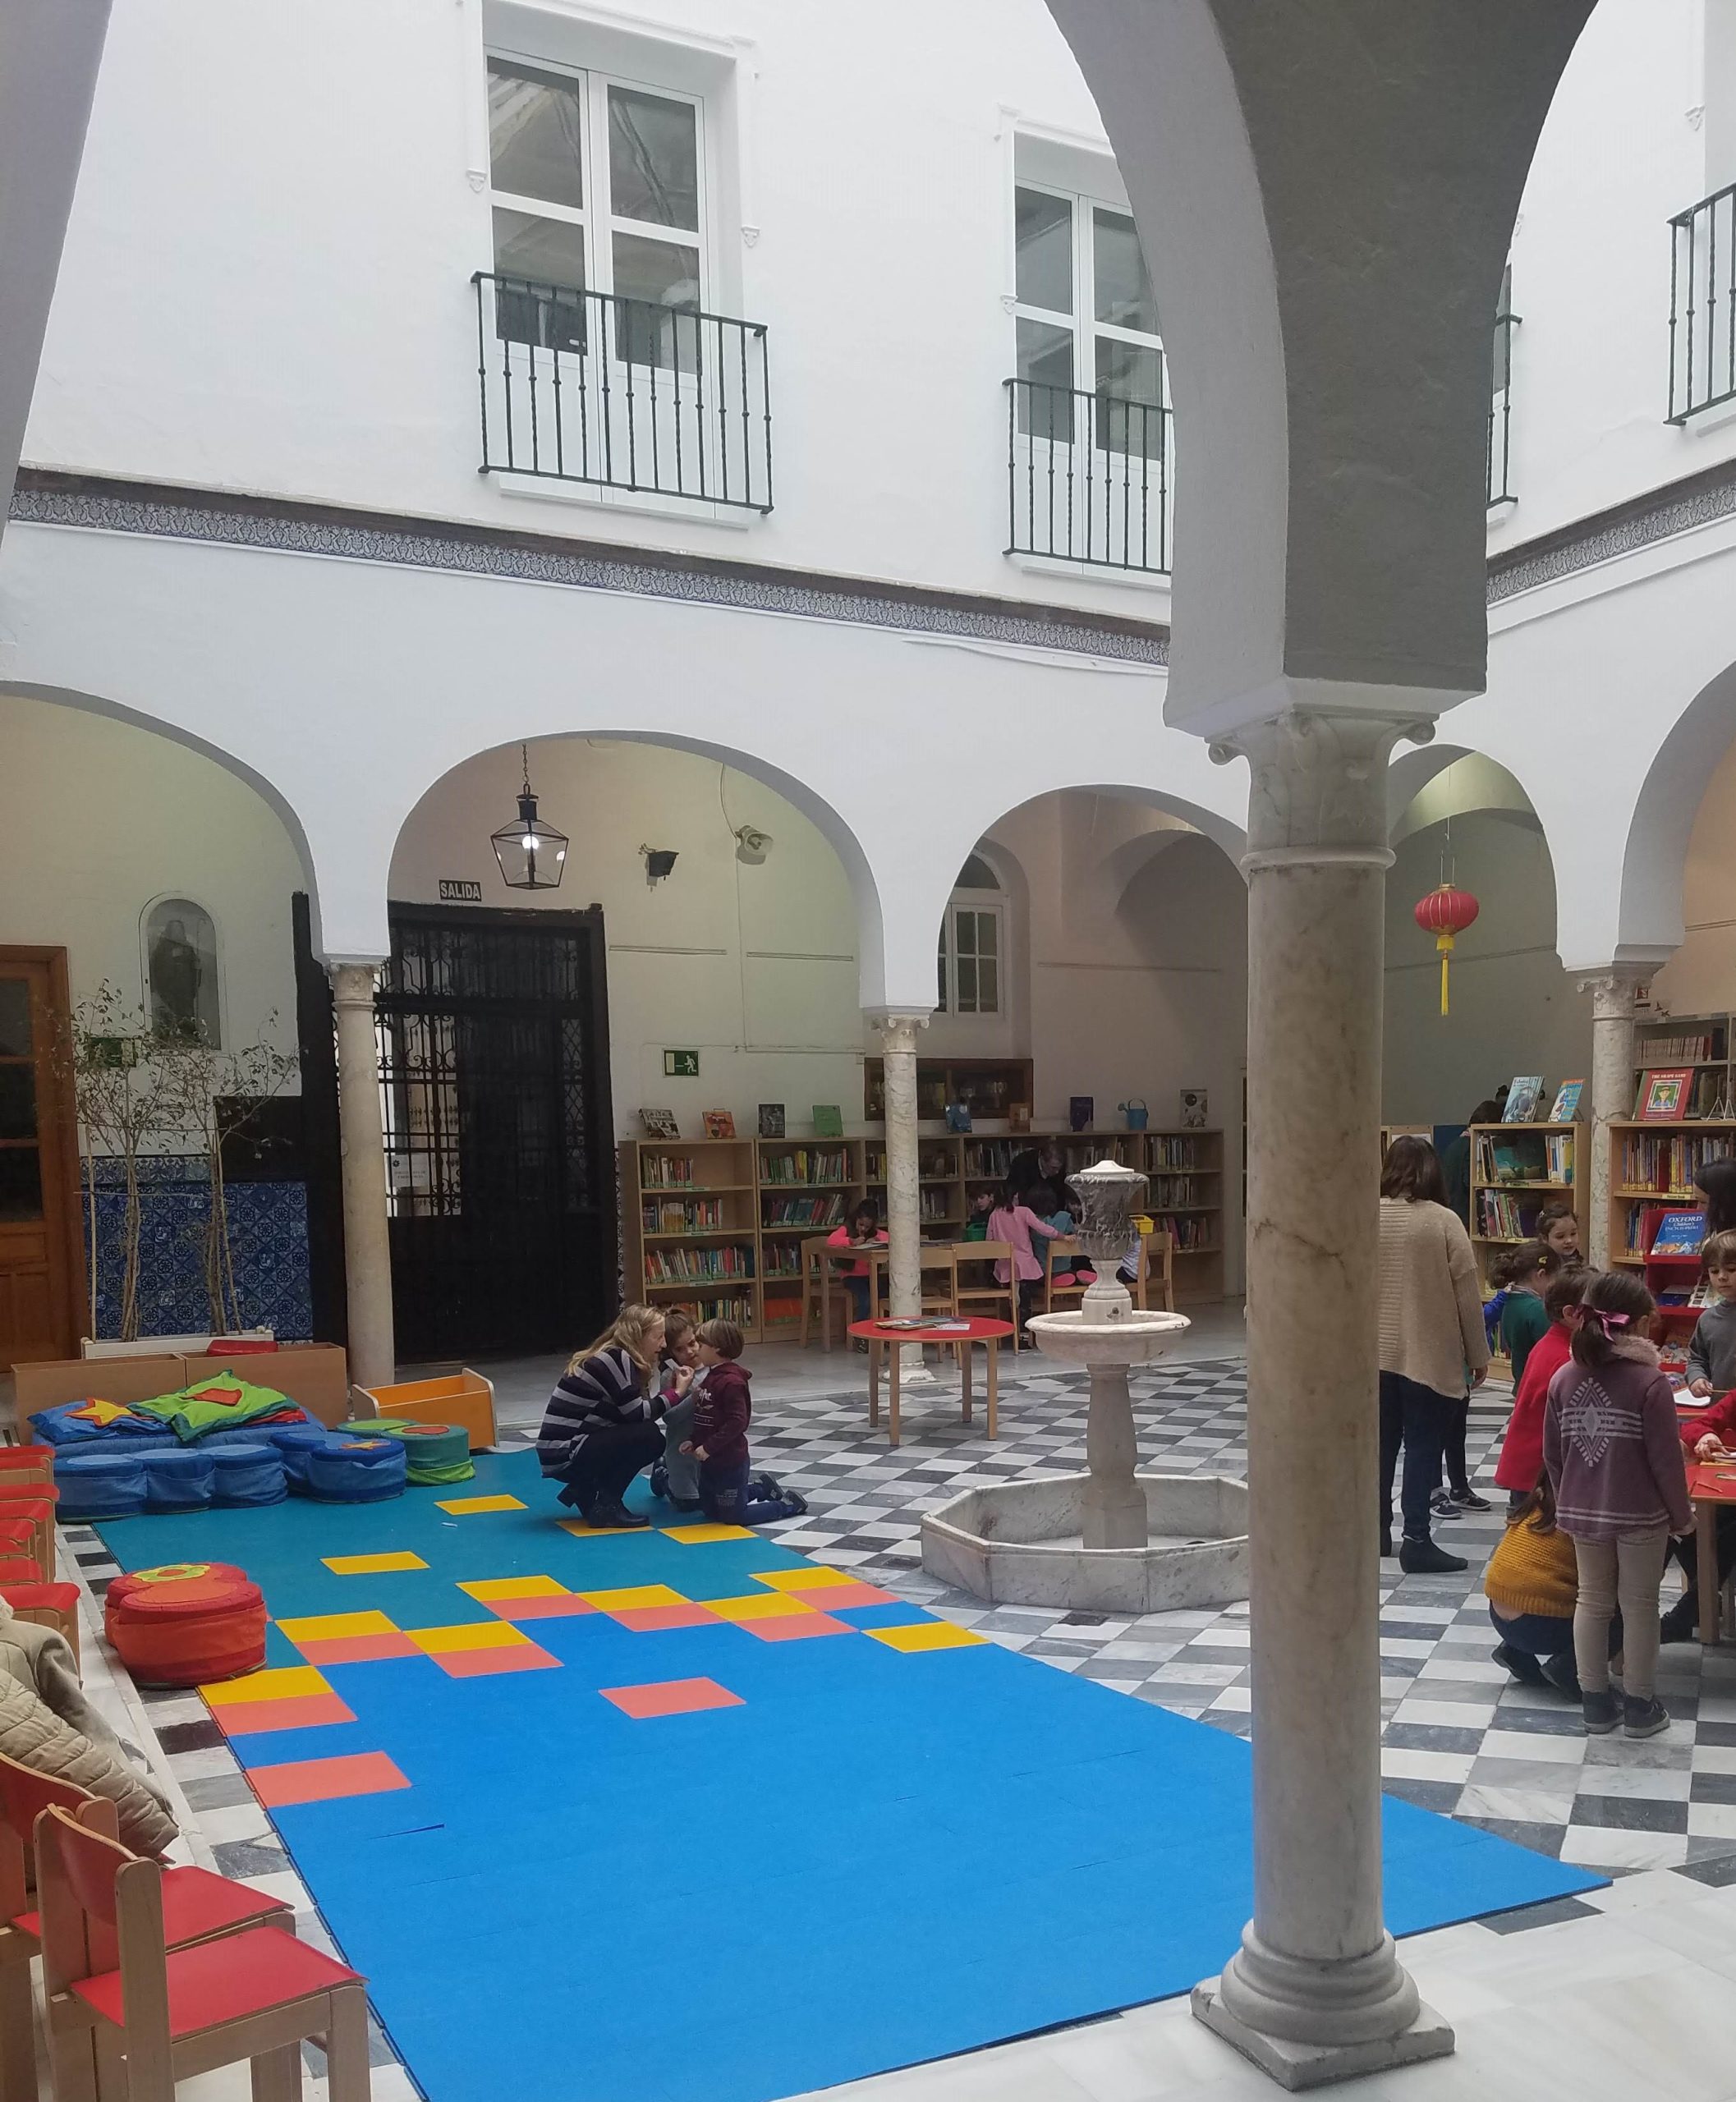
{"x": 963, "y": 1333}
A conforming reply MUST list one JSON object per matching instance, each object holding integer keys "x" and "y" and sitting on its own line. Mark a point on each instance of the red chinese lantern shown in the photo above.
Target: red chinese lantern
{"x": 1444, "y": 912}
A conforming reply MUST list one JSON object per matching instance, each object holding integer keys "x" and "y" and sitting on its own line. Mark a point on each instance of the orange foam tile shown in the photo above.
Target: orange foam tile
{"x": 325, "y": 1780}
{"x": 649, "y": 1620}
{"x": 239, "y": 1718}
{"x": 489, "y": 1664}
{"x": 671, "y": 1697}
{"x": 359, "y": 1648}
{"x": 541, "y": 1608}
{"x": 836, "y": 1597}
{"x": 796, "y": 1628}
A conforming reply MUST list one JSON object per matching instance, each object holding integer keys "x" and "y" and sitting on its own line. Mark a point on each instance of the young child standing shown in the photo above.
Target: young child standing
{"x": 1530, "y": 1268}
{"x": 1712, "y": 1355}
{"x": 675, "y": 1475}
{"x": 600, "y": 1426}
{"x": 1013, "y": 1222}
{"x": 722, "y": 1411}
{"x": 1522, "y": 1447}
{"x": 1558, "y": 1228}
{"x": 1614, "y": 1460}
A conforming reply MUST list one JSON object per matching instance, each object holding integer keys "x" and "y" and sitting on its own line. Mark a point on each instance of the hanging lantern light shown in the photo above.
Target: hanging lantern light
{"x": 1445, "y": 912}
{"x": 532, "y": 853}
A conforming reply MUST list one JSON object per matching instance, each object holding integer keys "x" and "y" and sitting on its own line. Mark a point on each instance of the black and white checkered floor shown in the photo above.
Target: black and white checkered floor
{"x": 1459, "y": 1737}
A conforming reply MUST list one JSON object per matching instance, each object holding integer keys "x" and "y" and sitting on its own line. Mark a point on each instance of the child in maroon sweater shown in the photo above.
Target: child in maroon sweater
{"x": 728, "y": 1493}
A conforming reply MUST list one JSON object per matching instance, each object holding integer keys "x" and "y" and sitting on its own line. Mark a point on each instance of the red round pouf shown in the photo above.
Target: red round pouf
{"x": 186, "y": 1622}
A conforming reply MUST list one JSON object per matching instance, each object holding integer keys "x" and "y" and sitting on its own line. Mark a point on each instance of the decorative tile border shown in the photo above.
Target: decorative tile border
{"x": 1659, "y": 515}
{"x": 43, "y": 498}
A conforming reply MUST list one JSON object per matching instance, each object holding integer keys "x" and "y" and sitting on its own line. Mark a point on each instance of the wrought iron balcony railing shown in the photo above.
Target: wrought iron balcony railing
{"x": 627, "y": 393}
{"x": 1499, "y": 453}
{"x": 1088, "y": 476}
{"x": 1702, "y": 305}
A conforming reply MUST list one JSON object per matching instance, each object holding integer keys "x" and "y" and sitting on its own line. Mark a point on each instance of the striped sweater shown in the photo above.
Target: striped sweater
{"x": 606, "y": 1390}
{"x": 1612, "y": 1449}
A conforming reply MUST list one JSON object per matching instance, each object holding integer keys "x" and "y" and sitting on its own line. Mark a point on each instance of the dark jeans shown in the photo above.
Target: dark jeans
{"x": 861, "y": 1303}
{"x": 1452, "y": 1450}
{"x": 1417, "y": 1418}
{"x": 607, "y": 1462}
{"x": 728, "y": 1498}
{"x": 1029, "y": 1289}
{"x": 1540, "y": 1634}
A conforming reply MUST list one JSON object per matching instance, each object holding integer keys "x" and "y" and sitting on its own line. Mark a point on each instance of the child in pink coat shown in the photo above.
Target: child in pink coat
{"x": 1014, "y": 1222}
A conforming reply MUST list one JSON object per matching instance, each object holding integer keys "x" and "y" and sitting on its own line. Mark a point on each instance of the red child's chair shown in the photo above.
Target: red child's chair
{"x": 156, "y": 2013}
{"x": 197, "y": 1906}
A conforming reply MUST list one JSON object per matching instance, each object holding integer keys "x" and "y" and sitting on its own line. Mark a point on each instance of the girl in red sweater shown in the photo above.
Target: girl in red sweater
{"x": 1522, "y": 1447}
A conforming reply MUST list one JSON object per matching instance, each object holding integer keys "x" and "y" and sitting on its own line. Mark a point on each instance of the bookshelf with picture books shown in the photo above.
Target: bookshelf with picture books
{"x": 1683, "y": 1064}
{"x": 1657, "y": 1215}
{"x": 1518, "y": 1171}
{"x": 716, "y": 1226}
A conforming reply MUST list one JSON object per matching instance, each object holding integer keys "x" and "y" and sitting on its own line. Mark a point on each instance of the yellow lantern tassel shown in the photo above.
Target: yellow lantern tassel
{"x": 1443, "y": 944}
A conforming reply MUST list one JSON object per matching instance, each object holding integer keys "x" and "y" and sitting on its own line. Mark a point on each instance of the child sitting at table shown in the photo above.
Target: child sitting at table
{"x": 1711, "y": 1354}
{"x": 862, "y": 1229}
{"x": 1708, "y": 1438}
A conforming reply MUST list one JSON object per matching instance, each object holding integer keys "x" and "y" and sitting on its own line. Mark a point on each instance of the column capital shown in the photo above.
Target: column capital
{"x": 1317, "y": 784}
{"x": 1613, "y": 987}
{"x": 898, "y": 1025}
{"x": 354, "y": 980}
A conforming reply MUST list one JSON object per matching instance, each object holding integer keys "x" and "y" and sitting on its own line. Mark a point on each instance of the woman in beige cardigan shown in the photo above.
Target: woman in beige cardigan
{"x": 1431, "y": 1339}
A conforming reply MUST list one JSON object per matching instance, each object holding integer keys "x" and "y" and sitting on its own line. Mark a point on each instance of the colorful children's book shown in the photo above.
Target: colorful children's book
{"x": 828, "y": 1121}
{"x": 771, "y": 1120}
{"x": 1663, "y": 1094}
{"x": 719, "y": 1123}
{"x": 659, "y": 1123}
{"x": 1567, "y": 1102}
{"x": 1523, "y": 1097}
{"x": 1679, "y": 1233}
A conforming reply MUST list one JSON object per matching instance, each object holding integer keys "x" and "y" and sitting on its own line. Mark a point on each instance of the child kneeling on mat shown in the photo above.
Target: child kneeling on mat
{"x": 729, "y": 1494}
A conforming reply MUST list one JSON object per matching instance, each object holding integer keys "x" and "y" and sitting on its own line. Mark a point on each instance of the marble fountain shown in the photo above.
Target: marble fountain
{"x": 1112, "y": 1539}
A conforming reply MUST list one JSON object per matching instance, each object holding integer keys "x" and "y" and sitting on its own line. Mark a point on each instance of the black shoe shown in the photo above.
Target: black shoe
{"x": 1423, "y": 1558}
{"x": 573, "y": 1498}
{"x": 795, "y": 1504}
{"x": 614, "y": 1518}
{"x": 1442, "y": 1506}
{"x": 1644, "y": 1719}
{"x": 1682, "y": 1623}
{"x": 1601, "y": 1712}
{"x": 1526, "y": 1669}
{"x": 660, "y": 1479}
{"x": 1563, "y": 1673}
{"x": 1386, "y": 1544}
{"x": 684, "y": 1503}
{"x": 1468, "y": 1499}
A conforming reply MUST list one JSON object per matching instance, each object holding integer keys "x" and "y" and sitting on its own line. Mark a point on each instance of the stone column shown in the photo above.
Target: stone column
{"x": 1315, "y": 1992}
{"x": 1613, "y": 993}
{"x": 367, "y": 1249}
{"x": 903, "y": 1175}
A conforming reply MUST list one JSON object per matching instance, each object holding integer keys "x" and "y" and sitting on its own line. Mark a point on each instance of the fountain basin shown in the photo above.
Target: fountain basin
{"x": 1021, "y": 1543}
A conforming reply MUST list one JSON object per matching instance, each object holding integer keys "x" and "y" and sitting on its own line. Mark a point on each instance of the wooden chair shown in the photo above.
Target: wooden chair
{"x": 32, "y": 1503}
{"x": 158, "y": 2012}
{"x": 939, "y": 1278}
{"x": 1056, "y": 1296}
{"x": 20, "y": 1540}
{"x": 46, "y": 1605}
{"x": 823, "y": 1284}
{"x": 978, "y": 1290}
{"x": 1061, "y": 1255}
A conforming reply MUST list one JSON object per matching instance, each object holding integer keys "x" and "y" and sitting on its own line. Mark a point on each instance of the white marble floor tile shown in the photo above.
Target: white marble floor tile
{"x": 1601, "y": 1846}
{"x": 1399, "y": 1763}
{"x": 1534, "y": 1744}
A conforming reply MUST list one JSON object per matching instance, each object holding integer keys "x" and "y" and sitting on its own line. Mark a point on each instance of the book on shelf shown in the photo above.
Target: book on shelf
{"x": 666, "y": 1171}
{"x": 659, "y": 1123}
{"x": 719, "y": 1123}
{"x": 771, "y": 1120}
{"x": 698, "y": 1265}
{"x": 805, "y": 1165}
{"x": 1663, "y": 1094}
{"x": 1187, "y": 1232}
{"x": 1566, "y": 1106}
{"x": 1666, "y": 1166}
{"x": 1679, "y": 1233}
{"x": 1696, "y": 1048}
{"x": 1176, "y": 1153}
{"x": 712, "y": 1307}
{"x": 1524, "y": 1096}
{"x": 695, "y": 1215}
{"x": 828, "y": 1121}
{"x": 816, "y": 1212}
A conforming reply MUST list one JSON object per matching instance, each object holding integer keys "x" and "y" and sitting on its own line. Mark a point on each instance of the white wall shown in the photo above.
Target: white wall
{"x": 1514, "y": 1010}
{"x": 1701, "y": 977}
{"x": 97, "y": 820}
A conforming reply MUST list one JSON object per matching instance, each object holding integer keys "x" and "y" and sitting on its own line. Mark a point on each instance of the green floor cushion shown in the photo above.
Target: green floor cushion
{"x": 435, "y": 1454}
{"x": 219, "y": 1402}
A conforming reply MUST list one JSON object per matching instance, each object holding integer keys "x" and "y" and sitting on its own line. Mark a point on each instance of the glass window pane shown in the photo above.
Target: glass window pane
{"x": 547, "y": 253}
{"x": 1045, "y": 364}
{"x": 940, "y": 965}
{"x": 964, "y": 933}
{"x": 988, "y": 987}
{"x": 1130, "y": 384}
{"x": 987, "y": 932}
{"x": 21, "y": 1182}
{"x": 15, "y": 1018}
{"x": 1043, "y": 238}
{"x": 1122, "y": 290}
{"x": 661, "y": 280}
{"x": 653, "y": 159}
{"x": 967, "y": 985}
{"x": 534, "y": 134}
{"x": 17, "y": 1102}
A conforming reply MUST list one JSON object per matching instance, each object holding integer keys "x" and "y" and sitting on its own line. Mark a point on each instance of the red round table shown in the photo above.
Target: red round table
{"x": 882, "y": 1335}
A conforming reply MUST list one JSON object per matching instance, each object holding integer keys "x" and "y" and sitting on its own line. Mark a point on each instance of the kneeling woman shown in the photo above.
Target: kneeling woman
{"x": 600, "y": 1426}
{"x": 1533, "y": 1585}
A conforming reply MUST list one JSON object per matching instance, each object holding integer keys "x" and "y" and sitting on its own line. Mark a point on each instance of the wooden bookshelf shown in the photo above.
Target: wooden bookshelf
{"x": 1705, "y": 1043}
{"x": 987, "y": 1087}
{"x": 696, "y": 1206}
{"x": 1651, "y": 1171}
{"x": 1551, "y": 1161}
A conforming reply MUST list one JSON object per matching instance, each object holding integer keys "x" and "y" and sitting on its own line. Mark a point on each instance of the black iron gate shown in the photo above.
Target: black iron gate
{"x": 494, "y": 1046}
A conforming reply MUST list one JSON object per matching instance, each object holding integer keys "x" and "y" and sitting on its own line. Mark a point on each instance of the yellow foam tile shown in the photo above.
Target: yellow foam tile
{"x": 925, "y": 1635}
{"x": 469, "y": 1635}
{"x": 468, "y": 1506}
{"x": 636, "y": 1594}
{"x": 697, "y": 1535}
{"x": 335, "y": 1627}
{"x": 283, "y": 1682}
{"x": 804, "y": 1579}
{"x": 372, "y": 1565}
{"x": 580, "y": 1531}
{"x": 758, "y": 1605}
{"x": 484, "y": 1588}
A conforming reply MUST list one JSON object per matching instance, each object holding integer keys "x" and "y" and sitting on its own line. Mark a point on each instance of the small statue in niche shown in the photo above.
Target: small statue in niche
{"x": 182, "y": 958}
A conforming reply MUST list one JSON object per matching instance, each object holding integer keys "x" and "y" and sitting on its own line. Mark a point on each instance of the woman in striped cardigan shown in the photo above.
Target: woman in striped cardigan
{"x": 600, "y": 1426}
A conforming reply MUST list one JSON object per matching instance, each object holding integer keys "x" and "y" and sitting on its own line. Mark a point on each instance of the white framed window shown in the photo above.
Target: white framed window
{"x": 971, "y": 958}
{"x": 1086, "y": 322}
{"x": 597, "y": 185}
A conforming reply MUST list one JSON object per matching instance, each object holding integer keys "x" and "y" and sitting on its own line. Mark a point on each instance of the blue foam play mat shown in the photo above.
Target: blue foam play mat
{"x": 679, "y": 1816}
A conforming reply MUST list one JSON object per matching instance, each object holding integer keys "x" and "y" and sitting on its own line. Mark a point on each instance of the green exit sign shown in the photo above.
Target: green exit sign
{"x": 681, "y": 1065}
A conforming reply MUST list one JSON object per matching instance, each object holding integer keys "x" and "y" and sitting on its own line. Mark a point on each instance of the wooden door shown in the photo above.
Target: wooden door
{"x": 41, "y": 1247}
